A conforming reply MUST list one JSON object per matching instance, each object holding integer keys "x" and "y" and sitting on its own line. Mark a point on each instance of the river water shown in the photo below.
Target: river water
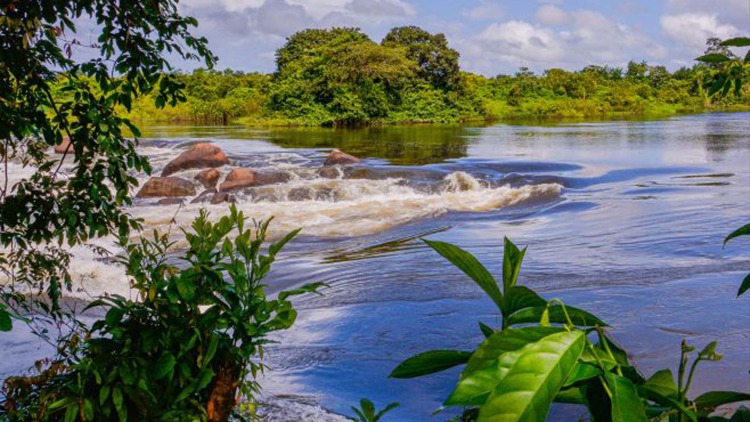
{"x": 625, "y": 219}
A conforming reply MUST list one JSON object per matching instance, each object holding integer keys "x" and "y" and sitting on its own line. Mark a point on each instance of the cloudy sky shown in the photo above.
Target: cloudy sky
{"x": 492, "y": 36}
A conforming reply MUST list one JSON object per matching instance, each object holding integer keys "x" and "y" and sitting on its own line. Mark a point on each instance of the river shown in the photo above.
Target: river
{"x": 622, "y": 218}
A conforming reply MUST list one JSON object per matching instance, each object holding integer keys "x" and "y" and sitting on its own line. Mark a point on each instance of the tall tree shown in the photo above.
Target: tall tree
{"x": 437, "y": 62}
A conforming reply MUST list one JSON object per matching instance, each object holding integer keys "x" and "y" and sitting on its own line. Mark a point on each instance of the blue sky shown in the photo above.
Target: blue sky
{"x": 492, "y": 36}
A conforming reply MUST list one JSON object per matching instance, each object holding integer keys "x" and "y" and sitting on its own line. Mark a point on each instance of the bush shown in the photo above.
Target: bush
{"x": 191, "y": 342}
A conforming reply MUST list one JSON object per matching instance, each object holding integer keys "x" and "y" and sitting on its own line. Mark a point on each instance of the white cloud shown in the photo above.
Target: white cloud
{"x": 552, "y": 15}
{"x": 692, "y": 29}
{"x": 389, "y": 8}
{"x": 733, "y": 12}
{"x": 588, "y": 38}
{"x": 485, "y": 10}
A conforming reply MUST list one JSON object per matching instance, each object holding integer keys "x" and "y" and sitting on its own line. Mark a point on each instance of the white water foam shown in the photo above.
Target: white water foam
{"x": 321, "y": 207}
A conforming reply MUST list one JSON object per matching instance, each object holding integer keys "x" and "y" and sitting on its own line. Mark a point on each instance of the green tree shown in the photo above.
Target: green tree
{"x": 437, "y": 63}
{"x": 38, "y": 50}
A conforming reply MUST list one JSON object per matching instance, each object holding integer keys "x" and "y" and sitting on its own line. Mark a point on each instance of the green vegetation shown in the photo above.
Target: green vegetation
{"x": 180, "y": 350}
{"x": 545, "y": 352}
{"x": 366, "y": 411}
{"x": 340, "y": 77}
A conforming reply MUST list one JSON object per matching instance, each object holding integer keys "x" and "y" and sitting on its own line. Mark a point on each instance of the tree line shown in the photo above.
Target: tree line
{"x": 341, "y": 77}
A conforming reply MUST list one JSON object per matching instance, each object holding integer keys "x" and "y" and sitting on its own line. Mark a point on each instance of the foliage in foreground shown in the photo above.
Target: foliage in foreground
{"x": 545, "y": 352}
{"x": 47, "y": 94}
{"x": 184, "y": 348}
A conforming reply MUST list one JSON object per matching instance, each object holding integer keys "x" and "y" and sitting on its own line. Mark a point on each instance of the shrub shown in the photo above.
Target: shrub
{"x": 186, "y": 347}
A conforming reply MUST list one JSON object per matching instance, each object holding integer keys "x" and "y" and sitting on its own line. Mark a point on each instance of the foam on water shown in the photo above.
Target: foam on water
{"x": 322, "y": 207}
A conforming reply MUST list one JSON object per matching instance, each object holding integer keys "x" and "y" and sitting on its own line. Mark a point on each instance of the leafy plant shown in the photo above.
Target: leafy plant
{"x": 731, "y": 69}
{"x": 366, "y": 411}
{"x": 188, "y": 344}
{"x": 547, "y": 352}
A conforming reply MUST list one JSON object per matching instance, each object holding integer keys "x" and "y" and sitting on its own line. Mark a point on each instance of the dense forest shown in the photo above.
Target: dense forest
{"x": 340, "y": 77}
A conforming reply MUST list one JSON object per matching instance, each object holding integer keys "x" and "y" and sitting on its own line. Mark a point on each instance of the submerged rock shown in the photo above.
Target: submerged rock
{"x": 171, "y": 201}
{"x": 166, "y": 187}
{"x": 208, "y": 177}
{"x": 205, "y": 196}
{"x": 238, "y": 178}
{"x": 271, "y": 178}
{"x": 221, "y": 197}
{"x": 200, "y": 155}
{"x": 330, "y": 172}
{"x": 338, "y": 157}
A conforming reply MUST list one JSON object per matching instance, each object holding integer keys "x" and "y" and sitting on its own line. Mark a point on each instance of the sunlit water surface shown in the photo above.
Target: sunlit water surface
{"x": 625, "y": 219}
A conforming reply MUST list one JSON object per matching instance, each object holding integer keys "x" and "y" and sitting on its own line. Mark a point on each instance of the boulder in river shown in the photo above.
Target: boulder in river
{"x": 338, "y": 157}
{"x": 205, "y": 196}
{"x": 208, "y": 177}
{"x": 64, "y": 145}
{"x": 166, "y": 187}
{"x": 221, "y": 197}
{"x": 271, "y": 178}
{"x": 330, "y": 172}
{"x": 200, "y": 155}
{"x": 238, "y": 178}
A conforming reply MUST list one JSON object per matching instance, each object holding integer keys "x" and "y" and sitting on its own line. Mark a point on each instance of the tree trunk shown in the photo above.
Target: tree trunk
{"x": 223, "y": 392}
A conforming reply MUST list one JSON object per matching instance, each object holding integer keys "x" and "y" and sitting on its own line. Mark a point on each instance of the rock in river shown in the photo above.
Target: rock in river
{"x": 198, "y": 156}
{"x": 166, "y": 187}
{"x": 208, "y": 178}
{"x": 338, "y": 157}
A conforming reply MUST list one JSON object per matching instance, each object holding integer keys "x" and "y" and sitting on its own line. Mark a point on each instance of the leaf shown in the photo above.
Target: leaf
{"x": 579, "y": 317}
{"x": 736, "y": 42}
{"x": 520, "y": 297}
{"x": 429, "y": 363}
{"x": 744, "y": 286}
{"x": 368, "y": 408}
{"x": 467, "y": 263}
{"x": 662, "y": 382}
{"x": 504, "y": 341}
{"x": 307, "y": 288}
{"x": 626, "y": 404}
{"x": 486, "y": 329}
{"x": 186, "y": 288}
{"x": 742, "y": 231}
{"x": 6, "y": 324}
{"x": 387, "y": 409}
{"x": 164, "y": 366}
{"x": 528, "y": 390}
{"x": 714, "y": 399}
{"x": 713, "y": 58}
{"x": 512, "y": 260}
{"x": 582, "y": 372}
{"x": 491, "y": 361}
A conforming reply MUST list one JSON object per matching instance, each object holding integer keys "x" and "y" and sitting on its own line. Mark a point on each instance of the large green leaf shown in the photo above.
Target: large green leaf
{"x": 512, "y": 260}
{"x": 626, "y": 404}
{"x": 736, "y": 42}
{"x": 491, "y": 361}
{"x": 583, "y": 371}
{"x": 742, "y": 231}
{"x": 714, "y": 399}
{"x": 579, "y": 317}
{"x": 467, "y": 263}
{"x": 534, "y": 380}
{"x": 429, "y": 362}
{"x": 504, "y": 341}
